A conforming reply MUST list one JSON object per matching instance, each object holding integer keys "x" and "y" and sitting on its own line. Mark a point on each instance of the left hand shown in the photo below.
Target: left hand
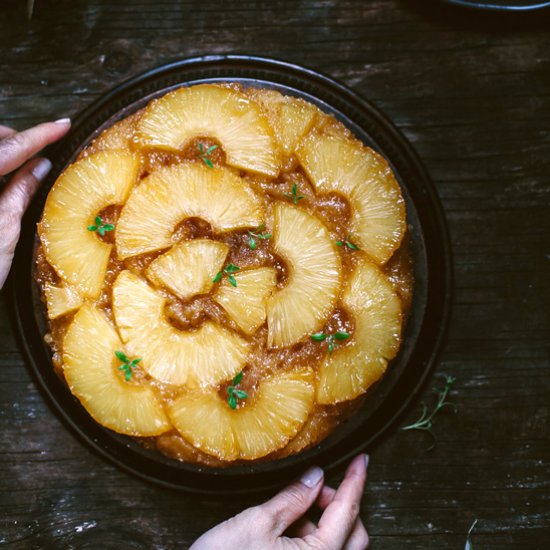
{"x": 264, "y": 526}
{"x": 17, "y": 150}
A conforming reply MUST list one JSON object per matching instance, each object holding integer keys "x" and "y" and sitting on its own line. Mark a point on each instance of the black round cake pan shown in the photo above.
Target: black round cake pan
{"x": 429, "y": 245}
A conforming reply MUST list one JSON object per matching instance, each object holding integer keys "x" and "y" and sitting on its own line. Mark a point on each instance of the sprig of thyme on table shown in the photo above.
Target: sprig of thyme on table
{"x": 425, "y": 422}
{"x": 469, "y": 545}
{"x": 229, "y": 270}
{"x": 127, "y": 365}
{"x": 233, "y": 394}
{"x": 257, "y": 235}
{"x": 100, "y": 227}
{"x": 332, "y": 338}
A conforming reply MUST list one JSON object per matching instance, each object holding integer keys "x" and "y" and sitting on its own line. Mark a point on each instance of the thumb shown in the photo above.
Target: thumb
{"x": 293, "y": 501}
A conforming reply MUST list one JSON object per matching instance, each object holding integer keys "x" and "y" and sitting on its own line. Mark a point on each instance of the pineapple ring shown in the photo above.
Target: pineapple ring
{"x": 89, "y": 368}
{"x": 265, "y": 423}
{"x": 378, "y": 217}
{"x": 246, "y": 303}
{"x": 314, "y": 281}
{"x": 224, "y": 114}
{"x": 188, "y": 268}
{"x": 85, "y": 188}
{"x": 352, "y": 368}
{"x": 181, "y": 191}
{"x": 204, "y": 357}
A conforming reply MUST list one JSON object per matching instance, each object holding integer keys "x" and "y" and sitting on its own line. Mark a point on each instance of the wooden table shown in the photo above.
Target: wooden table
{"x": 472, "y": 93}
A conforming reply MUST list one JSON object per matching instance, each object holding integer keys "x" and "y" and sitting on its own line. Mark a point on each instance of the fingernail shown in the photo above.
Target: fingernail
{"x": 366, "y": 461}
{"x": 40, "y": 171}
{"x": 65, "y": 120}
{"x": 312, "y": 476}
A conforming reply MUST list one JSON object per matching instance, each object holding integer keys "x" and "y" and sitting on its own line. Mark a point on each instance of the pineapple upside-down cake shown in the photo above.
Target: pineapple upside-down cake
{"x": 225, "y": 274}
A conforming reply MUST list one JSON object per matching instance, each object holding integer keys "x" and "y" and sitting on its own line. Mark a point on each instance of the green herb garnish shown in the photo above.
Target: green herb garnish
{"x": 332, "y": 338}
{"x": 469, "y": 545}
{"x": 294, "y": 197}
{"x": 253, "y": 236}
{"x": 233, "y": 393}
{"x": 348, "y": 243}
{"x": 425, "y": 421}
{"x": 100, "y": 227}
{"x": 127, "y": 365}
{"x": 203, "y": 155}
{"x": 229, "y": 270}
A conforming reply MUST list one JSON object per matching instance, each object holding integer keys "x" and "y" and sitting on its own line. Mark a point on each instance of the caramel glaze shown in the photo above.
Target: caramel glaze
{"x": 332, "y": 209}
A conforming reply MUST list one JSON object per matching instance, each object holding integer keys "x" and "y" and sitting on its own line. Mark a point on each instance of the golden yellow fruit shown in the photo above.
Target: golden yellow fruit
{"x": 91, "y": 370}
{"x": 221, "y": 113}
{"x": 202, "y": 357}
{"x": 90, "y": 184}
{"x": 354, "y": 366}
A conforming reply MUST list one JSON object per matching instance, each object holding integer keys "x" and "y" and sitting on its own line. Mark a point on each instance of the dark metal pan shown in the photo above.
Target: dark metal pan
{"x": 430, "y": 248}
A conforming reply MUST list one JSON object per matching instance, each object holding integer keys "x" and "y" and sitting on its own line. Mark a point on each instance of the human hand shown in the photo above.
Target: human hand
{"x": 263, "y": 527}
{"x": 16, "y": 148}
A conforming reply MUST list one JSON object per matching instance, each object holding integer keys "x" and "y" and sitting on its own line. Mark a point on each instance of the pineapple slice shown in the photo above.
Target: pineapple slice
{"x": 181, "y": 191}
{"x": 90, "y": 368}
{"x": 334, "y": 163}
{"x": 246, "y": 303}
{"x": 221, "y": 113}
{"x": 61, "y": 300}
{"x": 352, "y": 368}
{"x": 265, "y": 422}
{"x": 203, "y": 357}
{"x": 188, "y": 268}
{"x": 118, "y": 136}
{"x": 84, "y": 189}
{"x": 310, "y": 295}
{"x": 291, "y": 118}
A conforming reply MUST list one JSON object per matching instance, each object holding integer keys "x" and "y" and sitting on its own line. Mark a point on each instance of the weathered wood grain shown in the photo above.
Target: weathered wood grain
{"x": 472, "y": 93}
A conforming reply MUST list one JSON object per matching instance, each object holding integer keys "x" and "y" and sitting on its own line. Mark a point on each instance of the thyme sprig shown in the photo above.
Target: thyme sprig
{"x": 425, "y": 422}
{"x": 294, "y": 197}
{"x": 100, "y": 227}
{"x": 253, "y": 236}
{"x": 233, "y": 394}
{"x": 204, "y": 154}
{"x": 332, "y": 339}
{"x": 469, "y": 545}
{"x": 348, "y": 243}
{"x": 127, "y": 365}
{"x": 228, "y": 270}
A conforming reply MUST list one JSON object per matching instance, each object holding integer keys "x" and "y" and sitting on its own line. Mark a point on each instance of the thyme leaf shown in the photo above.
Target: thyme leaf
{"x": 348, "y": 243}
{"x": 127, "y": 365}
{"x": 233, "y": 394}
{"x": 333, "y": 339}
{"x": 257, "y": 235}
{"x": 203, "y": 155}
{"x": 425, "y": 422}
{"x": 228, "y": 270}
{"x": 100, "y": 227}
{"x": 294, "y": 197}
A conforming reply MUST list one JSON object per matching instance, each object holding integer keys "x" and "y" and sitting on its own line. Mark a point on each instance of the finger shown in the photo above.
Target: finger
{"x": 13, "y": 203}
{"x": 16, "y": 148}
{"x": 292, "y": 502}
{"x": 340, "y": 515}
{"x": 6, "y": 131}
{"x": 358, "y": 538}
